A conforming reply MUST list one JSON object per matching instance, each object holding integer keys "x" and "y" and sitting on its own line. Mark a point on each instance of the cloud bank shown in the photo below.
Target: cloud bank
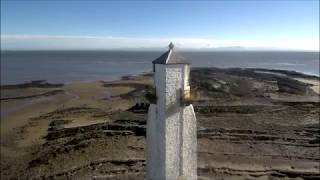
{"x": 52, "y": 42}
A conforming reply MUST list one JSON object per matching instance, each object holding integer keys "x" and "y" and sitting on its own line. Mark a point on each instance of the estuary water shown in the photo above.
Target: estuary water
{"x": 65, "y": 66}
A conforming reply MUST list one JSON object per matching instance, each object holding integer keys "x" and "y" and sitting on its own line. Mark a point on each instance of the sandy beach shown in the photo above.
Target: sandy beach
{"x": 251, "y": 125}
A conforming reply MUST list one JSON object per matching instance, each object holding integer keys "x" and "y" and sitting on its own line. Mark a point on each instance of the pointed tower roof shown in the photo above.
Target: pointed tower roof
{"x": 170, "y": 57}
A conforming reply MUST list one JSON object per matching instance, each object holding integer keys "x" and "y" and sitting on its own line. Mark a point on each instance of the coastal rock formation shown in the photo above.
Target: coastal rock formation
{"x": 244, "y": 131}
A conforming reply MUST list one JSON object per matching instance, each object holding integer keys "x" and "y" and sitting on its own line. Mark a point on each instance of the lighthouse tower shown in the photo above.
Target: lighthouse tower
{"x": 171, "y": 126}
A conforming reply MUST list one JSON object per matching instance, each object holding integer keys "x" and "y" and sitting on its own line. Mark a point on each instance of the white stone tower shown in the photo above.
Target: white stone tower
{"x": 171, "y": 126}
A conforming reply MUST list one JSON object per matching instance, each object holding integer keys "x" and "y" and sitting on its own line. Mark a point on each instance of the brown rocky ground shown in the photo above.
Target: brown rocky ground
{"x": 252, "y": 124}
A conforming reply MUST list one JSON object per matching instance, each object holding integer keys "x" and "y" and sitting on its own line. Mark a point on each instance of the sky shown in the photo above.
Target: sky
{"x": 37, "y": 25}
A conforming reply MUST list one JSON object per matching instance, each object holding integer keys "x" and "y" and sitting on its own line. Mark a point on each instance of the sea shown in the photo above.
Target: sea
{"x": 66, "y": 66}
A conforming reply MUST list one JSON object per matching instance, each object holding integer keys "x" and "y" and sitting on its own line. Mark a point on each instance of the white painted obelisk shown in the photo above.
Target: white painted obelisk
{"x": 171, "y": 126}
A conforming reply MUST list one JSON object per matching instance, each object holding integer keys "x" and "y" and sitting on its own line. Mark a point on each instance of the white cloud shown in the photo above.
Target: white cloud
{"x": 14, "y": 41}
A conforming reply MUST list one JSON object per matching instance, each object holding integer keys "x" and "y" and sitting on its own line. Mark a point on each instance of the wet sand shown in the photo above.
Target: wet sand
{"x": 314, "y": 84}
{"x": 250, "y": 125}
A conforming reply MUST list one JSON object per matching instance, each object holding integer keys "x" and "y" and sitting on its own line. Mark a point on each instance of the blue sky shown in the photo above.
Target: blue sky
{"x": 141, "y": 24}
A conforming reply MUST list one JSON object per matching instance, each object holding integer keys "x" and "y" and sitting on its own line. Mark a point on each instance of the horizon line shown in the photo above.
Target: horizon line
{"x": 68, "y": 42}
{"x": 163, "y": 49}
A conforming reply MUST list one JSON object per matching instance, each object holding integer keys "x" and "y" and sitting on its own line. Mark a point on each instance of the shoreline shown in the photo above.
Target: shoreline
{"x": 117, "y": 78}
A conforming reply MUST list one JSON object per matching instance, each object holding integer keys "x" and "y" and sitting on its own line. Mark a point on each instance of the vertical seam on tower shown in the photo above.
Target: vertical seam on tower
{"x": 168, "y": 56}
{"x": 181, "y": 142}
{"x": 165, "y": 122}
{"x": 181, "y": 125}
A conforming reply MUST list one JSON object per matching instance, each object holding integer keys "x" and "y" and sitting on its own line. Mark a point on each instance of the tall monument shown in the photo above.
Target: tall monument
{"x": 171, "y": 126}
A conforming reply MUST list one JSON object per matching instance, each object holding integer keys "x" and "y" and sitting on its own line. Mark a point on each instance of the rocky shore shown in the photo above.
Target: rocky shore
{"x": 252, "y": 124}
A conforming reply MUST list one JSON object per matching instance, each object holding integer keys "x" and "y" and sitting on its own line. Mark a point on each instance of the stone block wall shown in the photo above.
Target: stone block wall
{"x": 171, "y": 127}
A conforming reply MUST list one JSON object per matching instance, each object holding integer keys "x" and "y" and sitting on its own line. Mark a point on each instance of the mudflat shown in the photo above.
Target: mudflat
{"x": 252, "y": 124}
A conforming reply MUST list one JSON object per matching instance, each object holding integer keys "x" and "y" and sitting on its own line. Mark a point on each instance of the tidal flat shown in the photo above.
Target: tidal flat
{"x": 252, "y": 124}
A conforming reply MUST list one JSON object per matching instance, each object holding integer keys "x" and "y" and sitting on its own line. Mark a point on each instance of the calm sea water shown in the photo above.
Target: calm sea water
{"x": 64, "y": 66}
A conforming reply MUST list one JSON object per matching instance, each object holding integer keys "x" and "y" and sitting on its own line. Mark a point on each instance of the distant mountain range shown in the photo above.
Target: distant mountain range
{"x": 223, "y": 48}
{"x": 142, "y": 48}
